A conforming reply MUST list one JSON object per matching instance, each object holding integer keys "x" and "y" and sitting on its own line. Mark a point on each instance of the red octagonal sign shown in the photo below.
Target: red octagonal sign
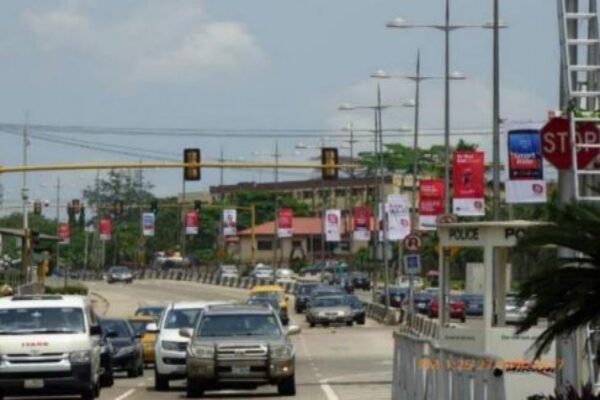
{"x": 556, "y": 143}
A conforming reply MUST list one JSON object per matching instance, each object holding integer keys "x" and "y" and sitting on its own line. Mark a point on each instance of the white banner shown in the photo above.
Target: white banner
{"x": 398, "y": 216}
{"x": 333, "y": 225}
{"x": 230, "y": 222}
{"x": 148, "y": 220}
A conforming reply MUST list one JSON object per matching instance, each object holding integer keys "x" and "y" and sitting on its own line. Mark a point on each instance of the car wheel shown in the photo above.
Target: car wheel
{"x": 107, "y": 380}
{"x": 133, "y": 372}
{"x": 97, "y": 390}
{"x": 349, "y": 323}
{"x": 287, "y": 387}
{"x": 463, "y": 319}
{"x": 194, "y": 389}
{"x": 311, "y": 324}
{"x": 161, "y": 382}
{"x": 141, "y": 369}
{"x": 88, "y": 394}
{"x": 361, "y": 321}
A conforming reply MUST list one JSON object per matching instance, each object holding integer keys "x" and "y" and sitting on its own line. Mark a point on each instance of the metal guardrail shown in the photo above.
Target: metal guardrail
{"x": 424, "y": 370}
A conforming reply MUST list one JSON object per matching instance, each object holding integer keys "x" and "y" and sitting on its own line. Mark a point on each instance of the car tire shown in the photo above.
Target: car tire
{"x": 285, "y": 322}
{"x": 349, "y": 323}
{"x": 161, "y": 382}
{"x": 141, "y": 369}
{"x": 311, "y": 324}
{"x": 107, "y": 380}
{"x": 194, "y": 389}
{"x": 133, "y": 372}
{"x": 361, "y": 321}
{"x": 88, "y": 394}
{"x": 287, "y": 386}
{"x": 463, "y": 319}
{"x": 97, "y": 389}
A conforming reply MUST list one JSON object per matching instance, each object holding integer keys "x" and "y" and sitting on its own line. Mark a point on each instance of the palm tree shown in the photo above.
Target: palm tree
{"x": 567, "y": 289}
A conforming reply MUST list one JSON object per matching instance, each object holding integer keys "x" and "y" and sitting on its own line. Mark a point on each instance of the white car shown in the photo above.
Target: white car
{"x": 262, "y": 271}
{"x": 404, "y": 282}
{"x": 514, "y": 310}
{"x": 170, "y": 348}
{"x": 49, "y": 346}
{"x": 284, "y": 275}
{"x": 228, "y": 271}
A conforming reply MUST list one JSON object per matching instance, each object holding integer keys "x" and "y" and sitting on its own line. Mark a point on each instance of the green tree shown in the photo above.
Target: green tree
{"x": 566, "y": 290}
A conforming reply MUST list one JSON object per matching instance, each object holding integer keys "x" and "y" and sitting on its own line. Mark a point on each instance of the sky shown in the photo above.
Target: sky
{"x": 270, "y": 66}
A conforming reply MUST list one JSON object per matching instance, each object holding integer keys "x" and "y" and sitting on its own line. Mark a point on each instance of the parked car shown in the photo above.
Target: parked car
{"x": 284, "y": 275}
{"x": 360, "y": 280}
{"x": 147, "y": 339}
{"x": 263, "y": 272}
{"x": 239, "y": 346}
{"x": 397, "y": 296}
{"x": 302, "y": 295}
{"x": 127, "y": 349}
{"x": 422, "y": 300}
{"x": 228, "y": 272}
{"x": 344, "y": 283}
{"x": 151, "y": 311}
{"x": 456, "y": 306}
{"x": 404, "y": 282}
{"x": 119, "y": 274}
{"x": 326, "y": 310}
{"x": 274, "y": 291}
{"x": 358, "y": 309}
{"x": 473, "y": 304}
{"x": 107, "y": 378}
{"x": 514, "y": 310}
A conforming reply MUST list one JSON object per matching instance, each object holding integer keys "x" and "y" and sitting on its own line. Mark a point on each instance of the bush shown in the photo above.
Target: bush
{"x": 73, "y": 290}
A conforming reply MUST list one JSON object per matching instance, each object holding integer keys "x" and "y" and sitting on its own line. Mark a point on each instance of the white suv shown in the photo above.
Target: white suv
{"x": 170, "y": 350}
{"x": 49, "y": 345}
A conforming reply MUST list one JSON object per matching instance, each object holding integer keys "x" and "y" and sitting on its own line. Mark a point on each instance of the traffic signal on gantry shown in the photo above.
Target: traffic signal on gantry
{"x": 191, "y": 156}
{"x": 329, "y": 161}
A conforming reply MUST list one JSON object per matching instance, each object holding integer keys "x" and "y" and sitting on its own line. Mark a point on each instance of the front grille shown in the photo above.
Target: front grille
{"x": 36, "y": 375}
{"x": 237, "y": 352}
{"x": 174, "y": 361}
{"x": 253, "y": 369}
{"x": 42, "y": 358}
{"x": 182, "y": 346}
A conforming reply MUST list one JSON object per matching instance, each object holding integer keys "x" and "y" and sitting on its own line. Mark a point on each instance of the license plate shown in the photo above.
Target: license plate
{"x": 240, "y": 370}
{"x": 34, "y": 383}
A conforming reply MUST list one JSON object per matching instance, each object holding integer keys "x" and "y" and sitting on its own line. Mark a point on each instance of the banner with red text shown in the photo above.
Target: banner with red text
{"x": 469, "y": 183}
{"x": 191, "y": 223}
{"x": 285, "y": 220}
{"x": 362, "y": 223}
{"x": 105, "y": 229}
{"x": 431, "y": 202}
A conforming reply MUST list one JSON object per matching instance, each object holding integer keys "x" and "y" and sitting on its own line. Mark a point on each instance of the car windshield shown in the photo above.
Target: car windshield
{"x": 239, "y": 325}
{"x": 139, "y": 327}
{"x": 267, "y": 295}
{"x": 330, "y": 302}
{"x": 41, "y": 320}
{"x": 119, "y": 270}
{"x": 177, "y": 319}
{"x": 354, "y": 302}
{"x": 119, "y": 328}
{"x": 306, "y": 289}
{"x": 155, "y": 312}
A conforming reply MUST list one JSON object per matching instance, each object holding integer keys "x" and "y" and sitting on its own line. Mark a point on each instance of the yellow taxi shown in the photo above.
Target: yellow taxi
{"x": 138, "y": 323}
{"x": 276, "y": 292}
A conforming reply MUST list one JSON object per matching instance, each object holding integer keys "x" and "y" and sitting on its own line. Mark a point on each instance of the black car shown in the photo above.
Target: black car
{"x": 302, "y": 295}
{"x": 473, "y": 304}
{"x": 358, "y": 309}
{"x": 106, "y": 362}
{"x": 360, "y": 280}
{"x": 126, "y": 347}
{"x": 119, "y": 274}
{"x": 422, "y": 300}
{"x": 343, "y": 282}
{"x": 397, "y": 296}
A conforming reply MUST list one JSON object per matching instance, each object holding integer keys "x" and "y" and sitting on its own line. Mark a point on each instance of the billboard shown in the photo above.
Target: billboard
{"x": 333, "y": 225}
{"x": 230, "y": 222}
{"x": 525, "y": 179}
{"x": 191, "y": 223}
{"x": 397, "y": 210}
{"x": 431, "y": 202}
{"x": 285, "y": 220}
{"x": 64, "y": 233}
{"x": 362, "y": 223}
{"x": 469, "y": 183}
{"x": 105, "y": 228}
{"x": 148, "y": 220}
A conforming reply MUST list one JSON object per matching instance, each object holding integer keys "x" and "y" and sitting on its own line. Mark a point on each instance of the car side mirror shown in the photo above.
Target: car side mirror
{"x": 293, "y": 330}
{"x": 152, "y": 328}
{"x": 185, "y": 332}
{"x": 95, "y": 330}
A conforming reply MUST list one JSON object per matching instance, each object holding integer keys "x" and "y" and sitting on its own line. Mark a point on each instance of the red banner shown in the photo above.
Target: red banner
{"x": 191, "y": 223}
{"x": 105, "y": 228}
{"x": 285, "y": 221}
{"x": 362, "y": 223}
{"x": 431, "y": 202}
{"x": 469, "y": 183}
{"x": 64, "y": 233}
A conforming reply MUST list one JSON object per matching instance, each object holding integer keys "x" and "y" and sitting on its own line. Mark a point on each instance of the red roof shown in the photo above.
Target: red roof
{"x": 301, "y": 226}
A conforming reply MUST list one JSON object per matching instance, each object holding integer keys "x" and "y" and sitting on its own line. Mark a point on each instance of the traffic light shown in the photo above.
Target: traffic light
{"x": 154, "y": 206}
{"x": 329, "y": 160}
{"x": 35, "y": 240}
{"x": 198, "y": 206}
{"x": 118, "y": 207}
{"x": 191, "y": 156}
{"x": 37, "y": 207}
{"x": 76, "y": 206}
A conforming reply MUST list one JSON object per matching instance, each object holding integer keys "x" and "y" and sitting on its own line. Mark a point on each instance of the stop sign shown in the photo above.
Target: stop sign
{"x": 556, "y": 143}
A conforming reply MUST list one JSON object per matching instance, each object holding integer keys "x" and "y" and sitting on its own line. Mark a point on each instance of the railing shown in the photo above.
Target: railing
{"x": 424, "y": 370}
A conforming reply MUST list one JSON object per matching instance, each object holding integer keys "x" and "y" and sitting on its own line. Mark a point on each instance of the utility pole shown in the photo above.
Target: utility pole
{"x": 384, "y": 219}
{"x": 447, "y": 206}
{"x": 275, "y": 233}
{"x": 221, "y": 171}
{"x": 57, "y": 221}
{"x": 496, "y": 116}
{"x": 26, "y": 243}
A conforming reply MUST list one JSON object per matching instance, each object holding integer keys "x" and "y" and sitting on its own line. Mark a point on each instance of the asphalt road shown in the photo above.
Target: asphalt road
{"x": 340, "y": 363}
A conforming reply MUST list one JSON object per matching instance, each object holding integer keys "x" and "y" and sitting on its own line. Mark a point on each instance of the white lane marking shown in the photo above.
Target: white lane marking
{"x": 125, "y": 395}
{"x": 356, "y": 376}
{"x": 329, "y": 393}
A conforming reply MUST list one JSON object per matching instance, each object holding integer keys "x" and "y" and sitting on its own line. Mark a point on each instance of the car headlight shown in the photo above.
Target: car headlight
{"x": 341, "y": 313}
{"x": 169, "y": 346}
{"x": 282, "y": 351}
{"x": 202, "y": 351}
{"x": 80, "y": 357}
{"x": 321, "y": 314}
{"x": 125, "y": 350}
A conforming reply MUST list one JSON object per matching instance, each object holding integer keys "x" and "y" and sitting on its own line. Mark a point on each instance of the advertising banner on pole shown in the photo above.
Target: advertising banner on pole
{"x": 525, "y": 179}
{"x": 431, "y": 202}
{"x": 333, "y": 225}
{"x": 191, "y": 223}
{"x": 230, "y": 222}
{"x": 285, "y": 220}
{"x": 148, "y": 220}
{"x": 469, "y": 183}
{"x": 397, "y": 210}
{"x": 105, "y": 229}
{"x": 64, "y": 233}
{"x": 362, "y": 223}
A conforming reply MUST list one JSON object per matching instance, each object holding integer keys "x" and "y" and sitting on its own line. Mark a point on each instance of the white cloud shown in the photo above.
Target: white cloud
{"x": 154, "y": 41}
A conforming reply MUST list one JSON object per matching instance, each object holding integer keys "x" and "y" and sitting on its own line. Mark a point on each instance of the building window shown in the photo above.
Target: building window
{"x": 340, "y": 192}
{"x": 297, "y": 243}
{"x": 264, "y": 245}
{"x": 307, "y": 194}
